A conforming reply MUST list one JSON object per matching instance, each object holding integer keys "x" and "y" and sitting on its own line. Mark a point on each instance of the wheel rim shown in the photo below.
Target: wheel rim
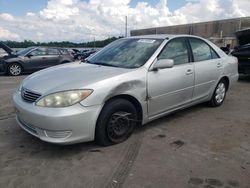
{"x": 15, "y": 69}
{"x": 220, "y": 92}
{"x": 119, "y": 126}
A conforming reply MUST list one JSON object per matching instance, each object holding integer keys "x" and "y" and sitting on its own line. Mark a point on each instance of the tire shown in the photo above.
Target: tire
{"x": 219, "y": 94}
{"x": 15, "y": 69}
{"x": 116, "y": 122}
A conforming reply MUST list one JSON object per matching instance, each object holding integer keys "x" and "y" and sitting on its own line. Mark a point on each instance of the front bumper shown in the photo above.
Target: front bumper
{"x": 67, "y": 125}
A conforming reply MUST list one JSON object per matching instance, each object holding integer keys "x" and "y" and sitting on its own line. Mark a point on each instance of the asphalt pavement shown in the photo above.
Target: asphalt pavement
{"x": 194, "y": 148}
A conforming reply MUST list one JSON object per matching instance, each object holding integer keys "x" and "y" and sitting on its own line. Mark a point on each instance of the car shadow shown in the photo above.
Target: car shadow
{"x": 7, "y": 75}
{"x": 35, "y": 148}
{"x": 172, "y": 116}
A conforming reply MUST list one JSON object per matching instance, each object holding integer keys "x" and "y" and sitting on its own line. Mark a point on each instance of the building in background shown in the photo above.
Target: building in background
{"x": 222, "y": 32}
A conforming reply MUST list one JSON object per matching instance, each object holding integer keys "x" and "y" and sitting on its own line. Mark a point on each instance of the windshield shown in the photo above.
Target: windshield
{"x": 24, "y": 51}
{"x": 126, "y": 53}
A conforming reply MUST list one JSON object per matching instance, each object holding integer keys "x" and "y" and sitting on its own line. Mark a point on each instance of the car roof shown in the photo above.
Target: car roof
{"x": 59, "y": 48}
{"x": 163, "y": 36}
{"x": 243, "y": 47}
{"x": 170, "y": 36}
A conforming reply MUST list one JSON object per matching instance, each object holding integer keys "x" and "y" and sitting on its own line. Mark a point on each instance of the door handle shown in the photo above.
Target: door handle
{"x": 189, "y": 71}
{"x": 219, "y": 65}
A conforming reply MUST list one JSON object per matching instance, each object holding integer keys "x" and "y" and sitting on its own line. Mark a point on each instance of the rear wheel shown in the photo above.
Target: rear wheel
{"x": 116, "y": 122}
{"x": 14, "y": 69}
{"x": 219, "y": 94}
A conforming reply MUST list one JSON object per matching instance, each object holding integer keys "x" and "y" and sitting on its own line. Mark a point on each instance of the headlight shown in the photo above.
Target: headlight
{"x": 64, "y": 98}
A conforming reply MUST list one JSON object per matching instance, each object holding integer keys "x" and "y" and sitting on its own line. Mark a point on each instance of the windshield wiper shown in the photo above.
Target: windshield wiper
{"x": 105, "y": 64}
{"x": 99, "y": 63}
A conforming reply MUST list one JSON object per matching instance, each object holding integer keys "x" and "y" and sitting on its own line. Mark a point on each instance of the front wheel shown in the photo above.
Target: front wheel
{"x": 116, "y": 122}
{"x": 219, "y": 94}
{"x": 14, "y": 69}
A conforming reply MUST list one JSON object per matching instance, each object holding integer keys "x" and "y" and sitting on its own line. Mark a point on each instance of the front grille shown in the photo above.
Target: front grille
{"x": 29, "y": 96}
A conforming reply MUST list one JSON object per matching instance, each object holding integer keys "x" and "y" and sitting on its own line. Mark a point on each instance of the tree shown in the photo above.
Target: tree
{"x": 64, "y": 44}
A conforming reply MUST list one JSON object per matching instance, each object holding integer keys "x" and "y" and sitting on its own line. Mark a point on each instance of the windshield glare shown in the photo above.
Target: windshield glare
{"x": 126, "y": 53}
{"x": 24, "y": 51}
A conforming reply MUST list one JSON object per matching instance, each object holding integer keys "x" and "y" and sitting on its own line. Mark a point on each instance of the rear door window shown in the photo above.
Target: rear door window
{"x": 38, "y": 52}
{"x": 201, "y": 50}
{"x": 53, "y": 51}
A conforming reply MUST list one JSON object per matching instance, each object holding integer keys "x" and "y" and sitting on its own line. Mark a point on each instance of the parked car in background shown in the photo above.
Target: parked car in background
{"x": 243, "y": 55}
{"x": 76, "y": 53}
{"x": 130, "y": 82}
{"x": 32, "y": 59}
{"x": 225, "y": 49}
{"x": 83, "y": 54}
{"x": 6, "y": 50}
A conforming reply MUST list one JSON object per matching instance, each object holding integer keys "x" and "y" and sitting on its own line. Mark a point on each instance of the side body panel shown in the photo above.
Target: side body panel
{"x": 206, "y": 75}
{"x": 170, "y": 88}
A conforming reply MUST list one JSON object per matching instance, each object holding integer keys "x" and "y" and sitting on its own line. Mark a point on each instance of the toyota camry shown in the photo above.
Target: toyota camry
{"x": 130, "y": 82}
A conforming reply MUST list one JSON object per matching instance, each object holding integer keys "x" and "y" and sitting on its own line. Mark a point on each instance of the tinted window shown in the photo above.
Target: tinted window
{"x": 201, "y": 50}
{"x": 38, "y": 52}
{"x": 53, "y": 51}
{"x": 176, "y": 49}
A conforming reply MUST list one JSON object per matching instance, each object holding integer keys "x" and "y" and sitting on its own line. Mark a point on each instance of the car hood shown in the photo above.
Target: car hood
{"x": 7, "y": 49}
{"x": 69, "y": 76}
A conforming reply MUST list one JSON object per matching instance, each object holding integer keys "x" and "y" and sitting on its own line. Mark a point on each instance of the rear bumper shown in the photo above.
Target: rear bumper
{"x": 233, "y": 79}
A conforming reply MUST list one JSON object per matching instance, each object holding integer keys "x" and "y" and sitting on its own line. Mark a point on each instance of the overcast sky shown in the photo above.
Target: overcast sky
{"x": 82, "y": 20}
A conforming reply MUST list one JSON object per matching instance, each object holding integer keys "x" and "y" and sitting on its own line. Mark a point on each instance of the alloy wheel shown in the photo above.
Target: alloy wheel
{"x": 15, "y": 69}
{"x": 220, "y": 93}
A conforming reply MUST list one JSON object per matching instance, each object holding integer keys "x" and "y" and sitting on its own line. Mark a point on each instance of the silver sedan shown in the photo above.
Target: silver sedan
{"x": 130, "y": 82}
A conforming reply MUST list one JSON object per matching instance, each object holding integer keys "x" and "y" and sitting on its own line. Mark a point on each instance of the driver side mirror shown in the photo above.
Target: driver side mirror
{"x": 29, "y": 55}
{"x": 163, "y": 64}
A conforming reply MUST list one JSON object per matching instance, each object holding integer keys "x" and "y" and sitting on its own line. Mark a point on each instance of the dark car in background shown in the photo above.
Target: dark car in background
{"x": 225, "y": 49}
{"x": 32, "y": 59}
{"x": 82, "y": 54}
{"x": 243, "y": 55}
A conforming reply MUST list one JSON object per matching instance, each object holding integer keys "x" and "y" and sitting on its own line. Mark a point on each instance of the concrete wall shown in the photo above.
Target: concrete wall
{"x": 221, "y": 32}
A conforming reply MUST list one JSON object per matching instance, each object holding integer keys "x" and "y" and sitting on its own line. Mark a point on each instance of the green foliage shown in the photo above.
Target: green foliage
{"x": 64, "y": 44}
